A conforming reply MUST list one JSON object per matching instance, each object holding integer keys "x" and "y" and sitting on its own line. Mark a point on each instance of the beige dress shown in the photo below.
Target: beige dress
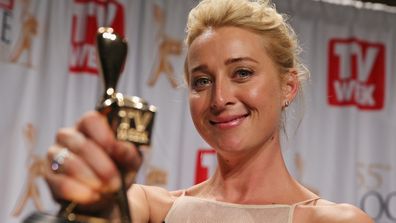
{"x": 187, "y": 209}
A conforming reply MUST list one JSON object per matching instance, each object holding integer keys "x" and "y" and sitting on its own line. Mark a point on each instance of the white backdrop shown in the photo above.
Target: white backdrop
{"x": 344, "y": 148}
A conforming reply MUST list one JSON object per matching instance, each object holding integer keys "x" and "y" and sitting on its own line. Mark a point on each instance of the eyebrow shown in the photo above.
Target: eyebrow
{"x": 204, "y": 68}
{"x": 238, "y": 59}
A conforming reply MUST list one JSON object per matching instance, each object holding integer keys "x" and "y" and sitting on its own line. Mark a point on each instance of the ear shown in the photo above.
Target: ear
{"x": 290, "y": 87}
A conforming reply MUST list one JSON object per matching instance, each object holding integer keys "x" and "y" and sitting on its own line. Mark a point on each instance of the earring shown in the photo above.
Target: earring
{"x": 287, "y": 103}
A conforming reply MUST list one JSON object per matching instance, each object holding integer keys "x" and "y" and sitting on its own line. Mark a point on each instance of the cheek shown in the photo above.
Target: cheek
{"x": 196, "y": 107}
{"x": 263, "y": 98}
{"x": 256, "y": 93}
{"x": 264, "y": 92}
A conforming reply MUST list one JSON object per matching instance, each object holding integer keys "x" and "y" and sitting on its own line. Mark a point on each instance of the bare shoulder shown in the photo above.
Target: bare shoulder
{"x": 328, "y": 212}
{"x": 152, "y": 203}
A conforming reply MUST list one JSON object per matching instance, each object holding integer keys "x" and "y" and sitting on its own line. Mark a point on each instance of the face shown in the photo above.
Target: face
{"x": 235, "y": 90}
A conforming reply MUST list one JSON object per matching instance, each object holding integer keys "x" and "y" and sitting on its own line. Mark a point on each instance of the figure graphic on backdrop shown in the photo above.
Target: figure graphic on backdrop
{"x": 36, "y": 168}
{"x": 156, "y": 176}
{"x": 167, "y": 47}
{"x": 27, "y": 32}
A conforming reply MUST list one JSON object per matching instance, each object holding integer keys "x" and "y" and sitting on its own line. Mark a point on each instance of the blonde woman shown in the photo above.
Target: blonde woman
{"x": 243, "y": 71}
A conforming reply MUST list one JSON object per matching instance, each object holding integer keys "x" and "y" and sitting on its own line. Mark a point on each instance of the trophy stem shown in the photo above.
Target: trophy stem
{"x": 122, "y": 200}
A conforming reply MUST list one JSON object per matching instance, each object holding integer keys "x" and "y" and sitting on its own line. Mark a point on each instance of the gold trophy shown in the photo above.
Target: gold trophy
{"x": 131, "y": 119}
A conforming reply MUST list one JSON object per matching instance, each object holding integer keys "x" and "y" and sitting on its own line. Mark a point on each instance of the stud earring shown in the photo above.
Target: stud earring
{"x": 287, "y": 103}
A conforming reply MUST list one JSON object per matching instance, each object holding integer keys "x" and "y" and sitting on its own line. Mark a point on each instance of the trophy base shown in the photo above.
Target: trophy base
{"x": 39, "y": 217}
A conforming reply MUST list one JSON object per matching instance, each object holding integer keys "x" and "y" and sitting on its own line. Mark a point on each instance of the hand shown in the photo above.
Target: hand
{"x": 89, "y": 173}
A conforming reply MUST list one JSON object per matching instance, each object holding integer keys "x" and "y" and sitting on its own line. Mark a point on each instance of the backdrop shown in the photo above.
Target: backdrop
{"x": 344, "y": 148}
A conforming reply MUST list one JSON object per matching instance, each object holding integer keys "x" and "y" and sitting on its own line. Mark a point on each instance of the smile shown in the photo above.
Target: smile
{"x": 228, "y": 122}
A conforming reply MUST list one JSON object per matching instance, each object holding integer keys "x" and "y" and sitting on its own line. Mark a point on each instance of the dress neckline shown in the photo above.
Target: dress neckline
{"x": 229, "y": 204}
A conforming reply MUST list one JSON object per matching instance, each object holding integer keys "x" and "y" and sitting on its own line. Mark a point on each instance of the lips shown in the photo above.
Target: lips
{"x": 225, "y": 122}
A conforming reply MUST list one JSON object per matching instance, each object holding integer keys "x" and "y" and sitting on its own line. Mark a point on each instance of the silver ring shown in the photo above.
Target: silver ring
{"x": 59, "y": 160}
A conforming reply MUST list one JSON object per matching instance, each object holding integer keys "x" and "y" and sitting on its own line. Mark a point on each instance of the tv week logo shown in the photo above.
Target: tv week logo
{"x": 88, "y": 16}
{"x": 356, "y": 74}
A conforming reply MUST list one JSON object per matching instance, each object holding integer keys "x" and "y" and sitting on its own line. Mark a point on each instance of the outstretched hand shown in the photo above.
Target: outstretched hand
{"x": 87, "y": 160}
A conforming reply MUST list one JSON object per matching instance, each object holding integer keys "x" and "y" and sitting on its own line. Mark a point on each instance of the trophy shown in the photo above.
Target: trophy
{"x": 130, "y": 118}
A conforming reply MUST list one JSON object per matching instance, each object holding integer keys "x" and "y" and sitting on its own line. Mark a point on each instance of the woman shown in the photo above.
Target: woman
{"x": 243, "y": 72}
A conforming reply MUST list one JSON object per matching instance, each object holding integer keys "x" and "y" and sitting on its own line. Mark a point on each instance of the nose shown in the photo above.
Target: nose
{"x": 222, "y": 95}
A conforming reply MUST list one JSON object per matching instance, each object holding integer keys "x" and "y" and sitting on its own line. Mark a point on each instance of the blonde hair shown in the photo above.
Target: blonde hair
{"x": 260, "y": 17}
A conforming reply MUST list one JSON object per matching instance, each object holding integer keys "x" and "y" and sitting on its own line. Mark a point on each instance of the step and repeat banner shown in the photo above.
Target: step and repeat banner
{"x": 340, "y": 140}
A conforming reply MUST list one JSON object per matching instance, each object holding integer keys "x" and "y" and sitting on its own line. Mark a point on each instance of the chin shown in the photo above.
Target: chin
{"x": 228, "y": 145}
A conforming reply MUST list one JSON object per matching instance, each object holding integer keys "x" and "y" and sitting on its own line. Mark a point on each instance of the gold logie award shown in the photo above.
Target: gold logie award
{"x": 131, "y": 119}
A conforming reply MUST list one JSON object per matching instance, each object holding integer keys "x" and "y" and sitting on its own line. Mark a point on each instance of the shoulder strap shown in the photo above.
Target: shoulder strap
{"x": 291, "y": 213}
{"x": 307, "y": 201}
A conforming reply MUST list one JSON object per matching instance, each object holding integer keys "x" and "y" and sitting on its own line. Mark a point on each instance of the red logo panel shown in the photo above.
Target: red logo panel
{"x": 88, "y": 16}
{"x": 356, "y": 74}
{"x": 7, "y": 4}
{"x": 205, "y": 164}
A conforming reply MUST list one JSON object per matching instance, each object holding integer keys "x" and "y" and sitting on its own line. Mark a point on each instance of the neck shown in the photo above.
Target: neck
{"x": 258, "y": 177}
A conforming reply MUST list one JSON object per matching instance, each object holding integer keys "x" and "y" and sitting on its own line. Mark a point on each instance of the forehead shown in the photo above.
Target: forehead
{"x": 226, "y": 42}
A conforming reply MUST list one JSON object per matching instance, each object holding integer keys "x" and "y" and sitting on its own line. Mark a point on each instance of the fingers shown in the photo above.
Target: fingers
{"x": 88, "y": 160}
{"x": 66, "y": 188}
{"x": 127, "y": 155}
{"x": 95, "y": 126}
{"x": 72, "y": 166}
{"x": 90, "y": 168}
{"x": 129, "y": 159}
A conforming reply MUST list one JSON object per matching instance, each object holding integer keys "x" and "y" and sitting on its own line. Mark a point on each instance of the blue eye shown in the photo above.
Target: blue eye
{"x": 243, "y": 74}
{"x": 201, "y": 82}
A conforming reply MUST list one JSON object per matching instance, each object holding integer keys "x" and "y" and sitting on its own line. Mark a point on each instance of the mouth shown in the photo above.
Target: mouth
{"x": 225, "y": 122}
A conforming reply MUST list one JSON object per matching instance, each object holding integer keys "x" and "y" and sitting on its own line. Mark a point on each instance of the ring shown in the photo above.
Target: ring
{"x": 58, "y": 161}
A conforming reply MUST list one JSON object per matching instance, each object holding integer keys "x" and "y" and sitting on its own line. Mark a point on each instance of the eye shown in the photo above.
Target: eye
{"x": 200, "y": 83}
{"x": 243, "y": 74}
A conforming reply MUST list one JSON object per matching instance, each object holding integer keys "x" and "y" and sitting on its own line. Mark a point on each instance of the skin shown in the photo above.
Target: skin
{"x": 236, "y": 101}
